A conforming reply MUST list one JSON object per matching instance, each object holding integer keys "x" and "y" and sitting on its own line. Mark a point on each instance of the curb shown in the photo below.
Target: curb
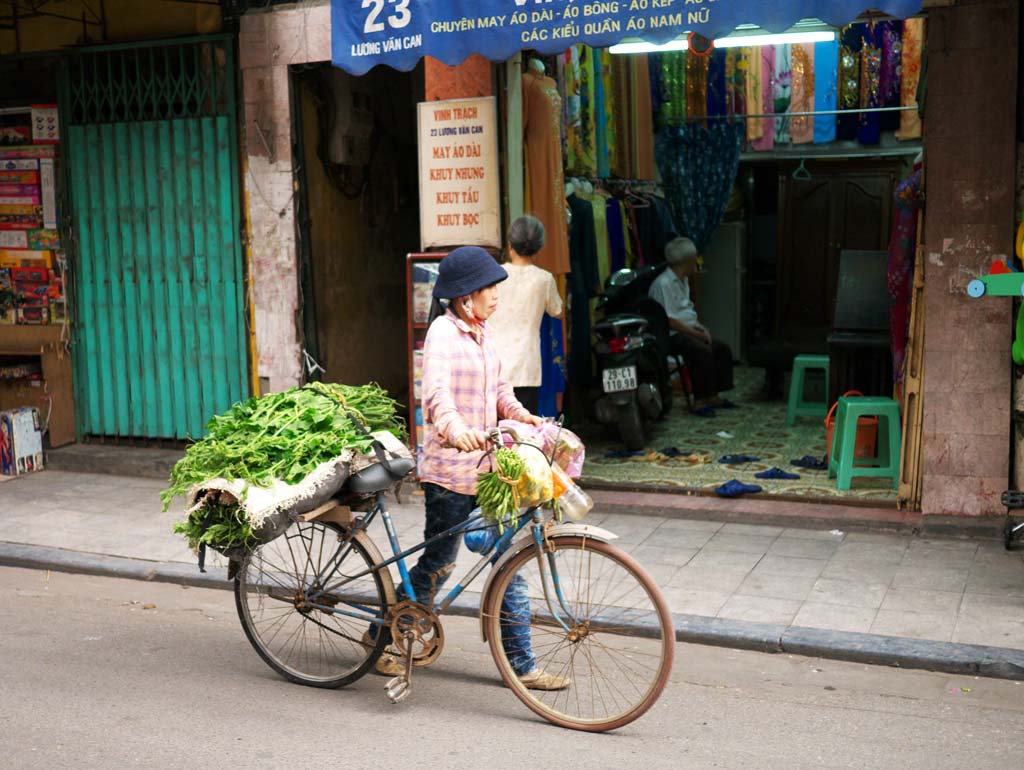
{"x": 873, "y": 649}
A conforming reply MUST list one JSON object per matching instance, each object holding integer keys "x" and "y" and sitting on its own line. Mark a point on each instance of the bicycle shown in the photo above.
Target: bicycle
{"x": 307, "y": 598}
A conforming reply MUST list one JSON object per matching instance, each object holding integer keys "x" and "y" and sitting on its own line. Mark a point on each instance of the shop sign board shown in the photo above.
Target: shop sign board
{"x": 365, "y": 33}
{"x": 459, "y": 198}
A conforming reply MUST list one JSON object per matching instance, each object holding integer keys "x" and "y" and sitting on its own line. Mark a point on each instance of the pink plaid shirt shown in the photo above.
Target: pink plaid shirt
{"x": 463, "y": 389}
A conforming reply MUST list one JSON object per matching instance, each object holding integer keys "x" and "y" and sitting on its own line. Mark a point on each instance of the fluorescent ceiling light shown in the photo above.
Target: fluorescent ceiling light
{"x": 754, "y": 41}
{"x": 746, "y": 36}
{"x": 679, "y": 44}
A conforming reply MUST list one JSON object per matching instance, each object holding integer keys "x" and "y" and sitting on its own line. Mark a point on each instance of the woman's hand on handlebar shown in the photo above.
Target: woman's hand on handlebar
{"x": 472, "y": 441}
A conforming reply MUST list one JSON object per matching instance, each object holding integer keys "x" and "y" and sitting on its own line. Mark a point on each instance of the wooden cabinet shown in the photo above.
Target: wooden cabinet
{"x": 841, "y": 206}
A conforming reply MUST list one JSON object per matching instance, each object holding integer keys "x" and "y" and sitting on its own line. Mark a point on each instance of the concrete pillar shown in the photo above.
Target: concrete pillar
{"x": 970, "y": 151}
{"x": 270, "y": 41}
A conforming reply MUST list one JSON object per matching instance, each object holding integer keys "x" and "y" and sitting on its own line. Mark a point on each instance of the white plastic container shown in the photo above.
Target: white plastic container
{"x": 575, "y": 503}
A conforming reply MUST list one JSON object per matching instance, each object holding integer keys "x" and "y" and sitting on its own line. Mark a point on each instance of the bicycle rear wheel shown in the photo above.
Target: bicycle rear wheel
{"x": 307, "y": 644}
{"x": 617, "y": 643}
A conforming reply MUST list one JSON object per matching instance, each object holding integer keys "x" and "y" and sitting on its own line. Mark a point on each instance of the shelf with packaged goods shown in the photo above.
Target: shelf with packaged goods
{"x": 420, "y": 275}
{"x": 53, "y": 394}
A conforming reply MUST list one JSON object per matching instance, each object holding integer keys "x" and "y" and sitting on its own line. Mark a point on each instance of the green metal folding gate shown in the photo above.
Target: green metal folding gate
{"x": 151, "y": 162}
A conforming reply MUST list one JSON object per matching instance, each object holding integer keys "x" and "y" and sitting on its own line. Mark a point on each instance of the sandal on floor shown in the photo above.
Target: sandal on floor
{"x": 810, "y": 462}
{"x": 738, "y": 459}
{"x": 777, "y": 473}
{"x": 736, "y": 488}
{"x": 621, "y": 454}
{"x": 671, "y": 451}
{"x": 704, "y": 411}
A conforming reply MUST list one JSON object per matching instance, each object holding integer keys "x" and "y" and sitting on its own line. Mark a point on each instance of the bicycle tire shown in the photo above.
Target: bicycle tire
{"x": 253, "y": 582}
{"x": 651, "y": 618}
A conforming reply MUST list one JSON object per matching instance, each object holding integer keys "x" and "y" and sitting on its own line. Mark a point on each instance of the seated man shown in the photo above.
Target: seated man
{"x": 708, "y": 360}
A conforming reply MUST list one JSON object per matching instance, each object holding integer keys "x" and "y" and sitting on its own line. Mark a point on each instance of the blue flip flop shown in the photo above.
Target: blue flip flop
{"x": 704, "y": 411}
{"x": 738, "y": 459}
{"x": 671, "y": 451}
{"x": 736, "y": 488}
{"x": 810, "y": 462}
{"x": 777, "y": 473}
{"x": 621, "y": 454}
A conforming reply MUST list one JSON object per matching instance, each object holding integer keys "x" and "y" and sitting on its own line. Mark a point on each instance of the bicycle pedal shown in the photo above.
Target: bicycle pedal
{"x": 398, "y": 689}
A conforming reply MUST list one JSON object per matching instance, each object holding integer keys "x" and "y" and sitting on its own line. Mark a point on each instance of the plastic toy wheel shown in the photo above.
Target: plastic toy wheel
{"x": 976, "y": 288}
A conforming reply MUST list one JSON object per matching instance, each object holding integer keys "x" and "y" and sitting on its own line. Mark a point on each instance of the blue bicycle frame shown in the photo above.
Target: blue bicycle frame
{"x": 531, "y": 516}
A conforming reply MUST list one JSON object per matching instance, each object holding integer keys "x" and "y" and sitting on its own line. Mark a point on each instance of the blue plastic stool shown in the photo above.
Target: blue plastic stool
{"x": 843, "y": 465}
{"x": 797, "y": 406}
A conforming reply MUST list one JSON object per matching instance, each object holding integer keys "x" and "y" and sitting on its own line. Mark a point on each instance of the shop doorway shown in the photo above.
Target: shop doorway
{"x": 791, "y": 205}
{"x": 355, "y": 147}
{"x": 773, "y": 271}
{"x": 151, "y": 169}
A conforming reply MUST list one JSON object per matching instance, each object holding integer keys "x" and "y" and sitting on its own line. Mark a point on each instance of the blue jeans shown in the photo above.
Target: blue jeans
{"x": 446, "y": 509}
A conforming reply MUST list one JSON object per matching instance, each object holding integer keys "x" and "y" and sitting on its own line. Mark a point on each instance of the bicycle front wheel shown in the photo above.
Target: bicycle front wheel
{"x": 594, "y": 617}
{"x": 310, "y": 642}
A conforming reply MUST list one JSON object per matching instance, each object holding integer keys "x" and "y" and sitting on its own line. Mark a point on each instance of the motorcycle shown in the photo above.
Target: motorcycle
{"x": 631, "y": 351}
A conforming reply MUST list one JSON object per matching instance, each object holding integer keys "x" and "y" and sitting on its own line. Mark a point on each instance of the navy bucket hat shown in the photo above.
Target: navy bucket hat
{"x": 465, "y": 270}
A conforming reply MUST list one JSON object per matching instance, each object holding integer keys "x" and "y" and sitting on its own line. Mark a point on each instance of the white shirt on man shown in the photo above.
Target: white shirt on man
{"x": 673, "y": 293}
{"x": 523, "y": 298}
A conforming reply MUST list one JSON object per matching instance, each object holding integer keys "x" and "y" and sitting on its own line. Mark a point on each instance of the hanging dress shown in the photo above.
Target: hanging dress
{"x": 849, "y": 80}
{"x": 910, "y": 74}
{"x": 826, "y": 84}
{"x": 542, "y": 153}
{"x": 801, "y": 127}
{"x": 767, "y": 103}
{"x": 869, "y": 127}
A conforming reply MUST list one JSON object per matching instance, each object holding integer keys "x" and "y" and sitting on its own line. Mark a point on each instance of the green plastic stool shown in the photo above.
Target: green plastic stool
{"x": 797, "y": 406}
{"x": 843, "y": 465}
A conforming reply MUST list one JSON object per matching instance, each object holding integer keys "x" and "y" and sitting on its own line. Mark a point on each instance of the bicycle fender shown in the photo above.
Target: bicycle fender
{"x": 524, "y": 540}
{"x": 385, "y": 574}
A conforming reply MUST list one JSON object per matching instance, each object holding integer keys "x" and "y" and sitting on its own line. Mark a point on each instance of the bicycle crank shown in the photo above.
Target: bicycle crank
{"x": 427, "y": 633}
{"x": 398, "y": 689}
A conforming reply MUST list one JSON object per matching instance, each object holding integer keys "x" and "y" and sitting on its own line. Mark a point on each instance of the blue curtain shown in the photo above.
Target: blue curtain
{"x": 698, "y": 168}
{"x": 552, "y": 361}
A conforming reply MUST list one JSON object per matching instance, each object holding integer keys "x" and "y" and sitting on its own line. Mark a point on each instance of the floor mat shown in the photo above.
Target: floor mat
{"x": 756, "y": 428}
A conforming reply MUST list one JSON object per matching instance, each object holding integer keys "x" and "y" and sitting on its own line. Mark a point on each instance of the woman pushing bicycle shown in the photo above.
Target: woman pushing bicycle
{"x": 465, "y": 394}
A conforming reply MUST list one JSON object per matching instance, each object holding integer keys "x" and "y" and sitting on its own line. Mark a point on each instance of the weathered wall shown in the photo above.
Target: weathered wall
{"x": 269, "y": 42}
{"x": 125, "y": 20}
{"x": 970, "y": 155}
{"x": 468, "y": 80}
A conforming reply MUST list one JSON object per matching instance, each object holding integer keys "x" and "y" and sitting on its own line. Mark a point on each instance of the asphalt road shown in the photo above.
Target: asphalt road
{"x": 93, "y": 676}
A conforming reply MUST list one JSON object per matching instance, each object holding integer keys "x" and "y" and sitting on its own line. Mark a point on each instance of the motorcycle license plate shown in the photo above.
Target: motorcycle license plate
{"x": 616, "y": 380}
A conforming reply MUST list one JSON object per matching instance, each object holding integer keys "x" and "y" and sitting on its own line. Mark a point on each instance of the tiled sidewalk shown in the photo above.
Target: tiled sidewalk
{"x": 962, "y": 591}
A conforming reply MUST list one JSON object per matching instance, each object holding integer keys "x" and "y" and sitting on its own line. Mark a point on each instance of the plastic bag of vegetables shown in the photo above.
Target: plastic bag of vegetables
{"x": 554, "y": 440}
{"x": 536, "y": 486}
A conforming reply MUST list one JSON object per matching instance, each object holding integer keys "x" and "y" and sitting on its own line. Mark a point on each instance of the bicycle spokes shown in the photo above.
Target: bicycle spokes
{"x": 596, "y": 626}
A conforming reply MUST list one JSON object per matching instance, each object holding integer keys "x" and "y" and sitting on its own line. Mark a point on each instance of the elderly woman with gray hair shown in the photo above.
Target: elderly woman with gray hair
{"x": 529, "y": 292}
{"x": 709, "y": 360}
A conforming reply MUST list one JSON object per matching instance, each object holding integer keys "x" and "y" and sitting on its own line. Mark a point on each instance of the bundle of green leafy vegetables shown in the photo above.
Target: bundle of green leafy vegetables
{"x": 283, "y": 436}
{"x": 216, "y": 524}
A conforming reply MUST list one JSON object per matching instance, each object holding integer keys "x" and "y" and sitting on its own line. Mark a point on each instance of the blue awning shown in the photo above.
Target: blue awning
{"x": 365, "y": 33}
